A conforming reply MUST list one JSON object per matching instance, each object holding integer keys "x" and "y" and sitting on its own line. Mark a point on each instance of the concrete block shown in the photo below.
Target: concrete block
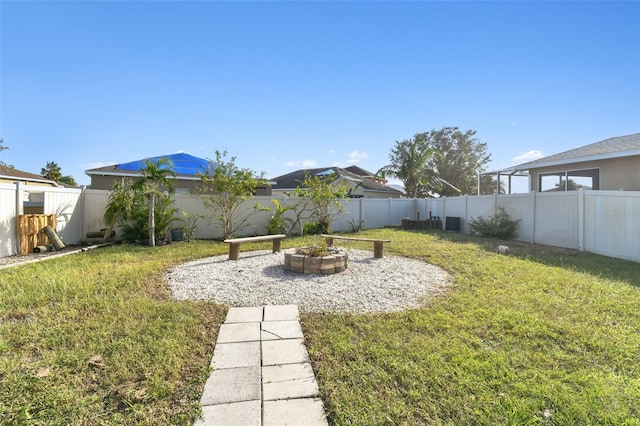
{"x": 291, "y": 351}
{"x": 241, "y": 332}
{"x": 232, "y": 385}
{"x": 286, "y": 372}
{"x": 246, "y": 413}
{"x": 249, "y": 314}
{"x": 281, "y": 313}
{"x": 294, "y": 412}
{"x": 234, "y": 355}
{"x": 288, "y": 381}
{"x": 276, "y": 330}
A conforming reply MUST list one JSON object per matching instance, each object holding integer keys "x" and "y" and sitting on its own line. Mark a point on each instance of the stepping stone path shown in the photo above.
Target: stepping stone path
{"x": 261, "y": 372}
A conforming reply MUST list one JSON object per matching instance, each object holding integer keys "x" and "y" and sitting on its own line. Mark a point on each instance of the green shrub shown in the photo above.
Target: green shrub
{"x": 499, "y": 225}
{"x": 278, "y": 223}
{"x": 316, "y": 228}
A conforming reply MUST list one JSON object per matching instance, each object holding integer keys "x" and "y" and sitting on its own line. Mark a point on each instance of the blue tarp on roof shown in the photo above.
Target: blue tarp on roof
{"x": 183, "y": 164}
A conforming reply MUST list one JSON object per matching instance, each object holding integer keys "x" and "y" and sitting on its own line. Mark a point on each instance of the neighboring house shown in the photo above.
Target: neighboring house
{"x": 361, "y": 183}
{"x": 187, "y": 168}
{"x": 11, "y": 175}
{"x": 34, "y": 201}
{"x": 611, "y": 164}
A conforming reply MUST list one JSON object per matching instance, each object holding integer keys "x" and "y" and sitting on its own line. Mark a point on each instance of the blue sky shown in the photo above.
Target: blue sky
{"x": 289, "y": 85}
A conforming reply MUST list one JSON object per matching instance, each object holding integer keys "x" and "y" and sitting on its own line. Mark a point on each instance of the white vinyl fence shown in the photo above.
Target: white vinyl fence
{"x": 604, "y": 222}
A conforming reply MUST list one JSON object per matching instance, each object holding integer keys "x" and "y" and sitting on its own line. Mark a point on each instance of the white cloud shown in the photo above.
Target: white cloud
{"x": 96, "y": 164}
{"x": 306, "y": 164}
{"x": 527, "y": 156}
{"x": 356, "y": 156}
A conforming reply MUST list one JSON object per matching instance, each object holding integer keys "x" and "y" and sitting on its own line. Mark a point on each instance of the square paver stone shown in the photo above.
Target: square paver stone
{"x": 232, "y": 385}
{"x": 291, "y": 351}
{"x": 241, "y": 332}
{"x": 244, "y": 314}
{"x": 286, "y": 372}
{"x": 294, "y": 412}
{"x": 246, "y": 413}
{"x": 276, "y": 330}
{"x": 234, "y": 355}
{"x": 288, "y": 381}
{"x": 281, "y": 313}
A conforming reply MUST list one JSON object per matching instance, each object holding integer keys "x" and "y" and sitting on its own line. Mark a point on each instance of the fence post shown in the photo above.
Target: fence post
{"x": 581, "y": 219}
{"x": 533, "y": 217}
{"x": 360, "y": 212}
{"x": 443, "y": 219}
{"x": 19, "y": 211}
{"x": 466, "y": 212}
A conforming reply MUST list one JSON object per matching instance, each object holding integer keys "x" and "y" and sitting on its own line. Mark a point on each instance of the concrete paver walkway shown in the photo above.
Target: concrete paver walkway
{"x": 261, "y": 372}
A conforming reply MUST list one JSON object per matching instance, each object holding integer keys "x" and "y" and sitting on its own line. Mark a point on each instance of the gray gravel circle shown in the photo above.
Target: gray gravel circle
{"x": 392, "y": 283}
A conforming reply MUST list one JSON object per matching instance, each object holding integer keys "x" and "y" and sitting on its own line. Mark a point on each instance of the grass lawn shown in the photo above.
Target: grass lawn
{"x": 542, "y": 336}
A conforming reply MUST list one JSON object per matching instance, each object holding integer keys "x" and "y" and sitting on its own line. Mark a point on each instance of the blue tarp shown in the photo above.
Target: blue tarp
{"x": 183, "y": 164}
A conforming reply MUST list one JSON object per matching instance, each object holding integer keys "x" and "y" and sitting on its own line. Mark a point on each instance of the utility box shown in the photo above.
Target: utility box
{"x": 452, "y": 223}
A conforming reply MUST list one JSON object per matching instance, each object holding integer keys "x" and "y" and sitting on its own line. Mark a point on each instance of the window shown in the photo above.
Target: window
{"x": 570, "y": 180}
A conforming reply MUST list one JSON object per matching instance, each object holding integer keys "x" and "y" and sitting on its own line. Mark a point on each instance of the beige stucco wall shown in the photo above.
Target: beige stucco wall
{"x": 106, "y": 182}
{"x": 615, "y": 173}
{"x": 27, "y": 182}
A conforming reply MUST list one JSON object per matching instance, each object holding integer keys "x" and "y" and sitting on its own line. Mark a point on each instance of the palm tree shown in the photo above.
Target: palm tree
{"x": 409, "y": 163}
{"x": 120, "y": 205}
{"x": 156, "y": 176}
{"x": 51, "y": 171}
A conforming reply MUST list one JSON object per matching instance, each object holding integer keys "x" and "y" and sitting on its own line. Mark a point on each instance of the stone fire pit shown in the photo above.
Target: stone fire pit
{"x": 334, "y": 261}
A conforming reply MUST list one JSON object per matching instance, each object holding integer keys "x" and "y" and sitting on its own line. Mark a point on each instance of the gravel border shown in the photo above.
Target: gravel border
{"x": 258, "y": 278}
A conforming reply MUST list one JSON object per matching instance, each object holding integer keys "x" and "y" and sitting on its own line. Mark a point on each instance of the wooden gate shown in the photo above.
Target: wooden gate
{"x": 30, "y": 230}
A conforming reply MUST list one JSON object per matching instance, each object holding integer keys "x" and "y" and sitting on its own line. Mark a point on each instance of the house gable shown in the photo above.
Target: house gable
{"x": 363, "y": 183}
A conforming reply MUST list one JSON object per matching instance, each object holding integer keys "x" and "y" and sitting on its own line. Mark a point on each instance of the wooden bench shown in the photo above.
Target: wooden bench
{"x": 377, "y": 244}
{"x": 234, "y": 243}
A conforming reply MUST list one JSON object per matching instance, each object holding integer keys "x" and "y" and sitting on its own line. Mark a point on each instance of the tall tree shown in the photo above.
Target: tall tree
{"x": 225, "y": 187}
{"x": 409, "y": 162}
{"x": 157, "y": 176}
{"x": 69, "y": 180}
{"x": 51, "y": 171}
{"x": 489, "y": 185}
{"x": 460, "y": 157}
{"x": 321, "y": 199}
{"x": 2, "y": 148}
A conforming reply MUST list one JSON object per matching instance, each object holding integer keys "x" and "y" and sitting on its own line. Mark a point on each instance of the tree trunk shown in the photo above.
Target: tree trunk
{"x": 152, "y": 220}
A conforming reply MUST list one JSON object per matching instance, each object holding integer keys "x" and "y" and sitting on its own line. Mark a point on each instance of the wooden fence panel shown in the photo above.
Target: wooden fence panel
{"x": 30, "y": 230}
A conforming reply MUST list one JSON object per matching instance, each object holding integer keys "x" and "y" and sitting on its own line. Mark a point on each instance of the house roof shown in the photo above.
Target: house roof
{"x": 185, "y": 166}
{"x": 621, "y": 146}
{"x": 11, "y": 173}
{"x": 292, "y": 180}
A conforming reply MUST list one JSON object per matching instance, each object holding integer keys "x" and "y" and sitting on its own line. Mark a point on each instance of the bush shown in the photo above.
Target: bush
{"x": 316, "y": 228}
{"x": 499, "y": 225}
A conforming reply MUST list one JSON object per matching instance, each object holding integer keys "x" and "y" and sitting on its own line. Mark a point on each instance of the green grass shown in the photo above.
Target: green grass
{"x": 544, "y": 336}
{"x": 94, "y": 338}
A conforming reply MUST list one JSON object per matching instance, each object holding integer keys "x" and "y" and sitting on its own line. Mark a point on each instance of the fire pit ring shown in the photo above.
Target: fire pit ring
{"x": 300, "y": 263}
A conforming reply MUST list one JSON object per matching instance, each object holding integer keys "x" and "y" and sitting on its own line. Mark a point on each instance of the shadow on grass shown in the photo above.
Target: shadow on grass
{"x": 580, "y": 261}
